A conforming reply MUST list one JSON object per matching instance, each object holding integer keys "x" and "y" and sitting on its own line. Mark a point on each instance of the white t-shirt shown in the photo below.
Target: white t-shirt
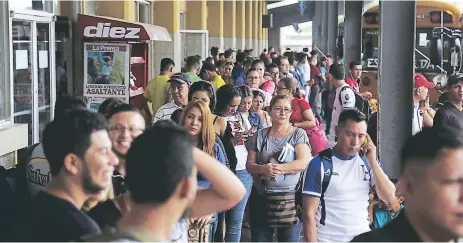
{"x": 348, "y": 101}
{"x": 239, "y": 123}
{"x": 345, "y": 200}
{"x": 417, "y": 121}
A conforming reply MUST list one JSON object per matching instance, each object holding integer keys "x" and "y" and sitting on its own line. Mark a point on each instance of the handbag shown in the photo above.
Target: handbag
{"x": 281, "y": 209}
{"x": 317, "y": 137}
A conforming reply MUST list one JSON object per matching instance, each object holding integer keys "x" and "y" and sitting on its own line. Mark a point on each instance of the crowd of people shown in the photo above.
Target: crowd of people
{"x": 237, "y": 141}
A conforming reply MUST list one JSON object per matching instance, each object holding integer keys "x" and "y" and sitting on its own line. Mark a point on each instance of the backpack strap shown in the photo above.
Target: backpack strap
{"x": 327, "y": 161}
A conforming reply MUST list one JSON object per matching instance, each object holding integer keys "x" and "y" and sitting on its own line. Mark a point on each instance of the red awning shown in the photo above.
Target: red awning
{"x": 106, "y": 28}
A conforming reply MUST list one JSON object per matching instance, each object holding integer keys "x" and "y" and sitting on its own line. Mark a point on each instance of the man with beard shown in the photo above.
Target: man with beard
{"x": 164, "y": 158}
{"x": 450, "y": 115}
{"x": 78, "y": 149}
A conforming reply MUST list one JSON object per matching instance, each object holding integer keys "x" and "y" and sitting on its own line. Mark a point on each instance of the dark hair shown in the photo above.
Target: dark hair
{"x": 209, "y": 60}
{"x": 251, "y": 70}
{"x": 291, "y": 57}
{"x": 257, "y": 93}
{"x": 225, "y": 95}
{"x": 154, "y": 174}
{"x": 301, "y": 56}
{"x": 426, "y": 145}
{"x": 175, "y": 116}
{"x": 291, "y": 83}
{"x": 245, "y": 91}
{"x": 305, "y": 49}
{"x": 68, "y": 102}
{"x": 248, "y": 61}
{"x": 313, "y": 52}
{"x": 192, "y": 61}
{"x": 228, "y": 53}
{"x": 206, "y": 87}
{"x": 70, "y": 132}
{"x": 214, "y": 51}
{"x": 278, "y": 60}
{"x": 271, "y": 65}
{"x": 166, "y": 64}
{"x": 257, "y": 61}
{"x": 337, "y": 71}
{"x": 354, "y": 63}
{"x": 454, "y": 79}
{"x": 276, "y": 98}
{"x": 329, "y": 56}
{"x": 353, "y": 115}
{"x": 240, "y": 57}
{"x": 267, "y": 61}
{"x": 221, "y": 54}
{"x": 124, "y": 107}
{"x": 108, "y": 105}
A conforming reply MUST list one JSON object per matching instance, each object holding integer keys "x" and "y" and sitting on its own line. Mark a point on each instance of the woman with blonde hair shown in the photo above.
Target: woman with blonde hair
{"x": 197, "y": 119}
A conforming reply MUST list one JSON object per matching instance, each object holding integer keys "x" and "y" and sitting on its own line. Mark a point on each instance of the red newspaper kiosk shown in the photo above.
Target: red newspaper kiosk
{"x": 116, "y": 58}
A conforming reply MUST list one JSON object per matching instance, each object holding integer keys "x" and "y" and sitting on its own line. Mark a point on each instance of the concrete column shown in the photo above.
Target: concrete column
{"x": 274, "y": 38}
{"x": 215, "y": 24}
{"x": 316, "y": 24}
{"x": 324, "y": 27}
{"x": 265, "y": 30}
{"x": 76, "y": 80}
{"x": 230, "y": 17}
{"x": 255, "y": 27}
{"x": 332, "y": 27}
{"x": 352, "y": 32}
{"x": 167, "y": 14}
{"x": 396, "y": 69}
{"x": 249, "y": 25}
{"x": 240, "y": 24}
{"x": 260, "y": 45}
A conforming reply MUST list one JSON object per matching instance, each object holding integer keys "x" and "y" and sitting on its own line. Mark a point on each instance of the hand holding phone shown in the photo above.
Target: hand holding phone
{"x": 369, "y": 149}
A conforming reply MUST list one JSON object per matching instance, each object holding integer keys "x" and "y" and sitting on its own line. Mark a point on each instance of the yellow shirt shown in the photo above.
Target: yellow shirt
{"x": 157, "y": 91}
{"x": 218, "y": 82}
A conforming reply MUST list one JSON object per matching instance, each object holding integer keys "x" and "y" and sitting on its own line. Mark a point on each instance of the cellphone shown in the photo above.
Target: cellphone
{"x": 365, "y": 142}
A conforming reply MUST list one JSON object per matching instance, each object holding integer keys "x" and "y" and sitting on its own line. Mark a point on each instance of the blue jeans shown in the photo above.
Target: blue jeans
{"x": 234, "y": 216}
{"x": 261, "y": 231}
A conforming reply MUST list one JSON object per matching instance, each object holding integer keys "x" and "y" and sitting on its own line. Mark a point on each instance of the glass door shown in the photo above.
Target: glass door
{"x": 33, "y": 74}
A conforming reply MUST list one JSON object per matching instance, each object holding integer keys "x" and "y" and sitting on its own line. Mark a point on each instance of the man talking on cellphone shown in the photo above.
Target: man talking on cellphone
{"x": 337, "y": 183}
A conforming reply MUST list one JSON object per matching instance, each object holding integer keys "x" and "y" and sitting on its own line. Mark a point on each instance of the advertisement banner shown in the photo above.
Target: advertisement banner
{"x": 106, "y": 72}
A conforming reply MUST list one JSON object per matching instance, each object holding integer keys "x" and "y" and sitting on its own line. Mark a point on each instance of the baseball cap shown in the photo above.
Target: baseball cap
{"x": 180, "y": 78}
{"x": 421, "y": 81}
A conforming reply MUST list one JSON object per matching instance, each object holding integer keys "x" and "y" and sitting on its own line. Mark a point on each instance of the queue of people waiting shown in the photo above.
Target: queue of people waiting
{"x": 217, "y": 147}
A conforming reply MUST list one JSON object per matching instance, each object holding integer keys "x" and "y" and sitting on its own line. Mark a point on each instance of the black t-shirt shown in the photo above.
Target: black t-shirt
{"x": 448, "y": 116}
{"x": 49, "y": 218}
{"x": 398, "y": 230}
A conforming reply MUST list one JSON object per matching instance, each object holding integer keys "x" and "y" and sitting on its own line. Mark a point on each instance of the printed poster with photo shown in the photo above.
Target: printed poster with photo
{"x": 106, "y": 72}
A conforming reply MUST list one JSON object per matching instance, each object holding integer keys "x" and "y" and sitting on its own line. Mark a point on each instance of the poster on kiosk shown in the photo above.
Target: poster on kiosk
{"x": 106, "y": 72}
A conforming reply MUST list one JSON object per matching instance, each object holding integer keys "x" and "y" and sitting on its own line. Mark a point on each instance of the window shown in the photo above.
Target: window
{"x": 5, "y": 91}
{"x": 182, "y": 20}
{"x": 142, "y": 11}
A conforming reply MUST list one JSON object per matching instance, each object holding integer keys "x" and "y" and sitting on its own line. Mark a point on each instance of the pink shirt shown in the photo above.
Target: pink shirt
{"x": 268, "y": 87}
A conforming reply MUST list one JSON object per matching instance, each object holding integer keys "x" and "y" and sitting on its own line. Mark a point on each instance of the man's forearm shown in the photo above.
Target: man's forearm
{"x": 310, "y": 229}
{"x": 384, "y": 187}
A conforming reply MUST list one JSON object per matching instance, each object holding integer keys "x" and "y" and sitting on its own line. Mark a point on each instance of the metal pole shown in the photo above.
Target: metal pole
{"x": 323, "y": 41}
{"x": 352, "y": 32}
{"x": 396, "y": 69}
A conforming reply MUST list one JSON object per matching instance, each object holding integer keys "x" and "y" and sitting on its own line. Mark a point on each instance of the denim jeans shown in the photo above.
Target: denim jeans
{"x": 234, "y": 217}
{"x": 261, "y": 231}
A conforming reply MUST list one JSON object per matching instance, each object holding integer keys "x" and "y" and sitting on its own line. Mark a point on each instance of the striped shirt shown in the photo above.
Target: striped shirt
{"x": 165, "y": 111}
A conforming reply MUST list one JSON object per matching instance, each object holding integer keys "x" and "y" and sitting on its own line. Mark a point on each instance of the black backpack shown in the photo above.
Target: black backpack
{"x": 361, "y": 103}
{"x": 14, "y": 192}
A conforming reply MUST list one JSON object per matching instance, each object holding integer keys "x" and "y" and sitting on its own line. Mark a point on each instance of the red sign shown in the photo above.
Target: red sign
{"x": 105, "y": 28}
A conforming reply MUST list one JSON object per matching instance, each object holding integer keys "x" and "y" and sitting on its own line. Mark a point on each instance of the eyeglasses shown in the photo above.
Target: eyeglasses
{"x": 280, "y": 109}
{"x": 134, "y": 131}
